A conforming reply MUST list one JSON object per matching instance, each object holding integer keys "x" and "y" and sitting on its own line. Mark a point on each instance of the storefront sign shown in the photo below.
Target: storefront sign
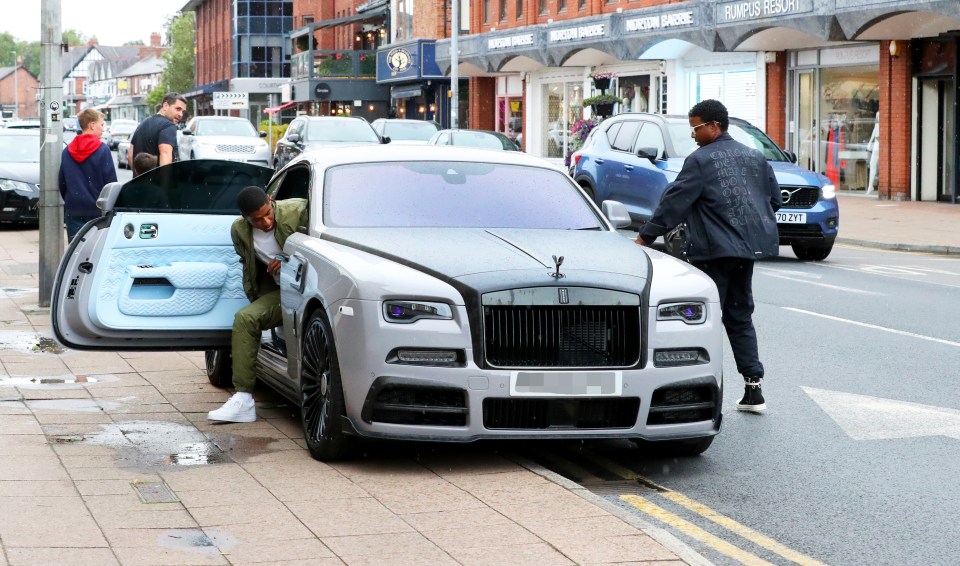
{"x": 412, "y": 61}
{"x": 510, "y": 41}
{"x": 261, "y": 85}
{"x": 578, "y": 33}
{"x": 745, "y": 10}
{"x": 231, "y": 101}
{"x": 662, "y": 21}
{"x": 858, "y": 55}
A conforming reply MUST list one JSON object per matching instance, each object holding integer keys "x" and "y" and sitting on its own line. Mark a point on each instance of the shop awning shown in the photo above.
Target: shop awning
{"x": 276, "y": 109}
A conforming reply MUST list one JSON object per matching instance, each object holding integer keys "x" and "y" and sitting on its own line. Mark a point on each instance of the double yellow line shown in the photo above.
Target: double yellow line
{"x": 692, "y": 530}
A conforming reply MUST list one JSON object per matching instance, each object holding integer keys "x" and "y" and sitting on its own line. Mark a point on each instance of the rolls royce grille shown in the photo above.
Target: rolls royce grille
{"x": 562, "y": 336}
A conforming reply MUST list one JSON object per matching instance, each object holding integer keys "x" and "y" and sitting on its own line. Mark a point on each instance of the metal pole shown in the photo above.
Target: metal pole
{"x": 454, "y": 64}
{"x": 16, "y": 87}
{"x": 51, "y": 145}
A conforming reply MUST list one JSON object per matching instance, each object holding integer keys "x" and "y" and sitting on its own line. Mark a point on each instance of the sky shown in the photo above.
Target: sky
{"x": 113, "y": 22}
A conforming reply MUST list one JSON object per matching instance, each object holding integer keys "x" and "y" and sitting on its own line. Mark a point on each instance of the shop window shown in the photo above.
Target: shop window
{"x": 849, "y": 101}
{"x": 561, "y": 110}
{"x": 635, "y": 92}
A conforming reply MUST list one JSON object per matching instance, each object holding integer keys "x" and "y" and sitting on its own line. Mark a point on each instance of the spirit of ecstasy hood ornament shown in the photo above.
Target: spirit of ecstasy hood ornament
{"x": 558, "y": 261}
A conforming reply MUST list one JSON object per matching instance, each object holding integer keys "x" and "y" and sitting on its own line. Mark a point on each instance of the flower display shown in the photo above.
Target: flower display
{"x": 578, "y": 135}
{"x": 602, "y": 75}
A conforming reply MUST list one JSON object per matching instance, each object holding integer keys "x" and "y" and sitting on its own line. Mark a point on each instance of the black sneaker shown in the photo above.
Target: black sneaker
{"x": 752, "y": 401}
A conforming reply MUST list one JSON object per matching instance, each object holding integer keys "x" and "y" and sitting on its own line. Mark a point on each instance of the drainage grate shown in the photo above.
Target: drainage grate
{"x": 154, "y": 492}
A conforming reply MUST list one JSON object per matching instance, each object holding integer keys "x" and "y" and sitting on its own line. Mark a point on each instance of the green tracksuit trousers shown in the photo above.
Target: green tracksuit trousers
{"x": 248, "y": 324}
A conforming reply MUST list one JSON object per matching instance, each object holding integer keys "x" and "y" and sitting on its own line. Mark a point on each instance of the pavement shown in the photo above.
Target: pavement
{"x": 107, "y": 458}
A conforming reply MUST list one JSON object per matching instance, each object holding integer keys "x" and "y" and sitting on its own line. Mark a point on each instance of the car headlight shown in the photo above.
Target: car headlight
{"x": 405, "y": 312}
{"x": 19, "y": 187}
{"x": 829, "y": 191}
{"x": 690, "y": 313}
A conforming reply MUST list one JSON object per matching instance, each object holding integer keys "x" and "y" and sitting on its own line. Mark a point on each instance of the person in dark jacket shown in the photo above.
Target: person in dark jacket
{"x": 727, "y": 194}
{"x": 85, "y": 167}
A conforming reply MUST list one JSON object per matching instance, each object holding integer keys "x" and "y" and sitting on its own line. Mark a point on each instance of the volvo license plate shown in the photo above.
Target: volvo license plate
{"x": 791, "y": 218}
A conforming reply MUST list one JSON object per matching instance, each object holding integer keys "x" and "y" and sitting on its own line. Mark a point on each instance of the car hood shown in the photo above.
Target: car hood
{"x": 787, "y": 173}
{"x": 25, "y": 172}
{"x": 485, "y": 258}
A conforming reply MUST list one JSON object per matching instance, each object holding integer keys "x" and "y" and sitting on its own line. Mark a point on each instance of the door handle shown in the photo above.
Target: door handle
{"x": 299, "y": 279}
{"x": 598, "y": 161}
{"x": 628, "y": 167}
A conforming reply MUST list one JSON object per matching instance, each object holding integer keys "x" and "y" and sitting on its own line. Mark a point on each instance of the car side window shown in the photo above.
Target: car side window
{"x": 444, "y": 139}
{"x": 625, "y": 137}
{"x": 295, "y": 127}
{"x": 650, "y": 136}
{"x": 295, "y": 183}
{"x": 612, "y": 132}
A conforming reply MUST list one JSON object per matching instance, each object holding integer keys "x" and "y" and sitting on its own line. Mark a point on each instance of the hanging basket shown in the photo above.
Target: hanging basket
{"x": 602, "y": 109}
{"x": 602, "y": 84}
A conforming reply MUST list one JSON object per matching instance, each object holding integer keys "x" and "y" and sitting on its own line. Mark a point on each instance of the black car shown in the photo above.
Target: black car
{"x": 313, "y": 132}
{"x": 19, "y": 175}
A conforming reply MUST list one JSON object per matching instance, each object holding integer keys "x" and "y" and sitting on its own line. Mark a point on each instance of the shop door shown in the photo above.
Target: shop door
{"x": 936, "y": 171}
{"x": 561, "y": 110}
{"x": 806, "y": 142}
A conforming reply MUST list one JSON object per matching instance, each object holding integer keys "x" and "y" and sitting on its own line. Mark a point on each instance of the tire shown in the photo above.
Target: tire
{"x": 321, "y": 393}
{"x": 219, "y": 368}
{"x": 812, "y": 253}
{"x": 678, "y": 448}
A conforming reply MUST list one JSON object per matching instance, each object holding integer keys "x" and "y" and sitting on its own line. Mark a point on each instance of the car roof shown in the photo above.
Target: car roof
{"x": 225, "y": 118}
{"x": 20, "y": 131}
{"x": 668, "y": 118}
{"x": 332, "y": 118}
{"x": 340, "y": 155}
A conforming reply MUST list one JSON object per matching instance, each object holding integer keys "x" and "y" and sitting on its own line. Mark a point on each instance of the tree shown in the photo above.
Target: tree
{"x": 74, "y": 37}
{"x": 180, "y": 70}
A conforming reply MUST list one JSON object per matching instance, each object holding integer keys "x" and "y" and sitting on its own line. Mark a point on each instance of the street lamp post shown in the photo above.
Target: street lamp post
{"x": 16, "y": 87}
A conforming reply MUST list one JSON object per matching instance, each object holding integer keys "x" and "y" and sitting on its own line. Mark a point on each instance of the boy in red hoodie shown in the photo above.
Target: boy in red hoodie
{"x": 85, "y": 167}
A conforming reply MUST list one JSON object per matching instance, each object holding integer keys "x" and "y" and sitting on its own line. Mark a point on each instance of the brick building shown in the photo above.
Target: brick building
{"x": 837, "y": 82}
{"x": 18, "y": 92}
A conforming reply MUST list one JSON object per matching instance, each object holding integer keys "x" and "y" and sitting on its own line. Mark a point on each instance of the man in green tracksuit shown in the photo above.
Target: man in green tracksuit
{"x": 258, "y": 236}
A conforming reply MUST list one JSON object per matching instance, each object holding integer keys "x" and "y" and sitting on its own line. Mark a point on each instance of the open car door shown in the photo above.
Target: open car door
{"x": 158, "y": 271}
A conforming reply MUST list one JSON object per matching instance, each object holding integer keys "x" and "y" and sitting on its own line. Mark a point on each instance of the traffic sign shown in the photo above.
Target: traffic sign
{"x": 231, "y": 101}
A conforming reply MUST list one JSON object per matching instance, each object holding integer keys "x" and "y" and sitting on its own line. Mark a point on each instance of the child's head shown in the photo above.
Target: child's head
{"x": 143, "y": 162}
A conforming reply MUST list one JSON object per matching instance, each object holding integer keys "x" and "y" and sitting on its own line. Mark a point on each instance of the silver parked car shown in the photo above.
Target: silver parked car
{"x": 449, "y": 295}
{"x": 306, "y": 133}
{"x": 405, "y": 131}
{"x": 223, "y": 137}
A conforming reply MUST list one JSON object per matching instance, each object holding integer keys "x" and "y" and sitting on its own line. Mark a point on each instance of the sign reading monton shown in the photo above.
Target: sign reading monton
{"x": 231, "y": 101}
{"x": 745, "y": 10}
{"x": 510, "y": 41}
{"x": 662, "y": 21}
{"x": 577, "y": 33}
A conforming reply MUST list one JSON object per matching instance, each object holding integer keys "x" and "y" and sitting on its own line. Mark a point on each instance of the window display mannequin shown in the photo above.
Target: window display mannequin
{"x": 874, "y": 147}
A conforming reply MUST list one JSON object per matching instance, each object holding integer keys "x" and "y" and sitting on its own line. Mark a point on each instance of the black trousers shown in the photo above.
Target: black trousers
{"x": 734, "y": 279}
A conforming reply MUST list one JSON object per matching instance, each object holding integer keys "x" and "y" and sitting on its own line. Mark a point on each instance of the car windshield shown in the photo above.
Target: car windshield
{"x": 418, "y": 131}
{"x": 202, "y": 186}
{"x": 341, "y": 131}
{"x": 444, "y": 194}
{"x": 477, "y": 139}
{"x": 746, "y": 134}
{"x": 225, "y": 128}
{"x": 19, "y": 149}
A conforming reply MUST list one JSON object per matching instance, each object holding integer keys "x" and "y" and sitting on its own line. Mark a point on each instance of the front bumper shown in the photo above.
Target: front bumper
{"x": 821, "y": 228}
{"x": 18, "y": 209}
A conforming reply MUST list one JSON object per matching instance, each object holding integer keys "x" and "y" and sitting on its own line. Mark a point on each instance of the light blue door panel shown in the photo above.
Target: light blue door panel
{"x": 167, "y": 272}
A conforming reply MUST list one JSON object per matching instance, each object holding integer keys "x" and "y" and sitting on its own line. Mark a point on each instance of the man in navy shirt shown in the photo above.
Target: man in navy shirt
{"x": 157, "y": 135}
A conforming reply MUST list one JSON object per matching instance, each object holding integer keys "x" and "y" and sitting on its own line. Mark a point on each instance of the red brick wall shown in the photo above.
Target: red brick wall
{"x": 214, "y": 52}
{"x": 896, "y": 109}
{"x": 482, "y": 97}
{"x": 776, "y": 126}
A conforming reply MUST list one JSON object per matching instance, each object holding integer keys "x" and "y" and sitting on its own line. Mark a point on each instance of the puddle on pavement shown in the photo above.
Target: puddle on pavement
{"x": 66, "y": 380}
{"x": 30, "y": 342}
{"x": 153, "y": 445}
{"x": 190, "y": 540}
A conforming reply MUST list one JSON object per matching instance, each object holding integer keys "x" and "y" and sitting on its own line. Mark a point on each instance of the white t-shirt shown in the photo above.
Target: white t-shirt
{"x": 265, "y": 244}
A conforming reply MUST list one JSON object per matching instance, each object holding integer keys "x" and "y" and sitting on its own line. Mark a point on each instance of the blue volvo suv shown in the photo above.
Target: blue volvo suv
{"x": 633, "y": 157}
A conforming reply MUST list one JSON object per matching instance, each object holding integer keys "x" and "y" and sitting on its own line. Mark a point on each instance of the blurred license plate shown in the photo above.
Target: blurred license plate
{"x": 566, "y": 383}
{"x": 791, "y": 218}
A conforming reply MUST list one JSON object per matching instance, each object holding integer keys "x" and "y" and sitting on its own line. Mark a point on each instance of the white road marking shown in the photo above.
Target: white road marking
{"x": 826, "y": 285}
{"x": 857, "y": 269}
{"x": 876, "y": 327}
{"x": 863, "y": 417}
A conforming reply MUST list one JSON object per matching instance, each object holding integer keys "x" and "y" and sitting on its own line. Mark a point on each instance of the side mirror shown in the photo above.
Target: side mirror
{"x": 385, "y": 139}
{"x": 263, "y": 134}
{"x": 650, "y": 153}
{"x": 792, "y": 156}
{"x": 108, "y": 196}
{"x": 616, "y": 213}
{"x": 187, "y": 133}
{"x": 293, "y": 138}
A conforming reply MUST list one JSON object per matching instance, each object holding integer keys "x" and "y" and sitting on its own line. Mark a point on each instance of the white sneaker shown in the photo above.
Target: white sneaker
{"x": 238, "y": 409}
